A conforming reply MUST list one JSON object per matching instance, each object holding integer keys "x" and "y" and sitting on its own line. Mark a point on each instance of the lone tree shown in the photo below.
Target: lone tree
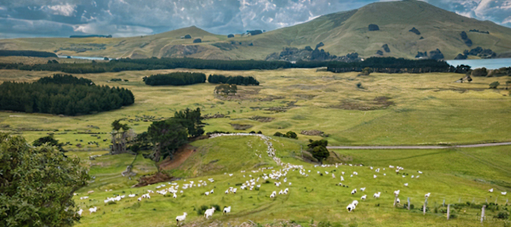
{"x": 507, "y": 84}
{"x": 318, "y": 149}
{"x": 37, "y": 184}
{"x": 366, "y": 71}
{"x": 188, "y": 36}
{"x": 121, "y": 136}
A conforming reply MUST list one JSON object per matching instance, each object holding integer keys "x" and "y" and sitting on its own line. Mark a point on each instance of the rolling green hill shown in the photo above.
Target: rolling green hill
{"x": 341, "y": 33}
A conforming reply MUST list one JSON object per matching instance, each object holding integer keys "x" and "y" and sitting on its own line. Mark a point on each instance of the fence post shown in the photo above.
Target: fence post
{"x": 408, "y": 203}
{"x": 425, "y": 206}
{"x": 443, "y": 203}
{"x": 482, "y": 213}
{"x": 448, "y": 211}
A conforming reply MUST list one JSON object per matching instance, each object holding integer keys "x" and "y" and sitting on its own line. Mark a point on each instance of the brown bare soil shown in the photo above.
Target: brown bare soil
{"x": 153, "y": 179}
{"x": 181, "y": 155}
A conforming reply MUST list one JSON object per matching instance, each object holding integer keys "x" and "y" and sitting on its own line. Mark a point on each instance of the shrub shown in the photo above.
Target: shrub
{"x": 278, "y": 134}
{"x": 187, "y": 36}
{"x": 480, "y": 72}
{"x": 291, "y": 135}
{"x": 373, "y": 27}
{"x": 359, "y": 85}
{"x": 197, "y": 40}
{"x": 503, "y": 215}
{"x": 494, "y": 85}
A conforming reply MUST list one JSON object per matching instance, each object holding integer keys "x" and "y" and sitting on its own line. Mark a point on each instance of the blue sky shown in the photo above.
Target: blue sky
{"x": 120, "y": 18}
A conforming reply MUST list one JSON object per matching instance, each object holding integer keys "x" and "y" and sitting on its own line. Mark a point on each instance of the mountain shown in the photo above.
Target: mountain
{"x": 404, "y": 29}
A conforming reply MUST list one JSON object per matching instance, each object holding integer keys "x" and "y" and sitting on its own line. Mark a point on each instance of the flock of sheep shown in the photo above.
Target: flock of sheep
{"x": 279, "y": 176}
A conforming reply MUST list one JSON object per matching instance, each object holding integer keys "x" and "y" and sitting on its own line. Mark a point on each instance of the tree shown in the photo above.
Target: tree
{"x": 37, "y": 184}
{"x": 507, "y": 84}
{"x": 191, "y": 120}
{"x": 494, "y": 85}
{"x": 50, "y": 141}
{"x": 291, "y": 135}
{"x": 318, "y": 149}
{"x": 120, "y": 137}
{"x": 366, "y": 71}
{"x": 480, "y": 72}
{"x": 167, "y": 136}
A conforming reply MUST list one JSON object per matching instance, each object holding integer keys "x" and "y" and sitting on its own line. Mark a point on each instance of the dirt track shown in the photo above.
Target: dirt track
{"x": 419, "y": 147}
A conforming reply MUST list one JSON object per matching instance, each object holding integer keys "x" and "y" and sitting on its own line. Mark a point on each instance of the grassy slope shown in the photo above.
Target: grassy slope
{"x": 447, "y": 175}
{"x": 342, "y": 33}
{"x": 429, "y": 108}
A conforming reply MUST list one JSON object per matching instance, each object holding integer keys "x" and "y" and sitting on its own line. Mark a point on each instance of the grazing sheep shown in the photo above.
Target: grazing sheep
{"x": 374, "y": 176}
{"x": 354, "y": 191}
{"x": 234, "y": 190}
{"x": 406, "y": 184}
{"x": 93, "y": 210}
{"x": 491, "y": 190}
{"x": 377, "y": 195}
{"x": 90, "y": 192}
{"x": 80, "y": 212}
{"x": 419, "y": 172}
{"x": 227, "y": 210}
{"x": 206, "y": 193}
{"x": 209, "y": 212}
{"x": 396, "y": 193}
{"x": 362, "y": 189}
{"x": 342, "y": 178}
{"x": 503, "y": 193}
{"x": 427, "y": 195}
{"x": 398, "y": 201}
{"x": 212, "y": 190}
{"x": 85, "y": 197}
{"x": 350, "y": 207}
{"x": 364, "y": 197}
{"x": 174, "y": 195}
{"x": 227, "y": 191}
{"x": 417, "y": 177}
{"x": 355, "y": 202}
{"x": 181, "y": 218}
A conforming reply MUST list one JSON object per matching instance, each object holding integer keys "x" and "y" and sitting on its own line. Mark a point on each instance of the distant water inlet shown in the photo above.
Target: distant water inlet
{"x": 494, "y": 63}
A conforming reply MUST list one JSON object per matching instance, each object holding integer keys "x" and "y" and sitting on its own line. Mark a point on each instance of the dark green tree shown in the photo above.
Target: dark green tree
{"x": 191, "y": 120}
{"x": 291, "y": 135}
{"x": 494, "y": 85}
{"x": 318, "y": 149}
{"x": 37, "y": 184}
{"x": 50, "y": 141}
{"x": 166, "y": 136}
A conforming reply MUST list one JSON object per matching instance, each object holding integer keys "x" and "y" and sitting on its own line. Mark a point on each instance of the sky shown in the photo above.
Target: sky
{"x": 122, "y": 18}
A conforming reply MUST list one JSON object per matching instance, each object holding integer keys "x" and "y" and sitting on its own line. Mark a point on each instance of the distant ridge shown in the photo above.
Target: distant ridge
{"x": 406, "y": 29}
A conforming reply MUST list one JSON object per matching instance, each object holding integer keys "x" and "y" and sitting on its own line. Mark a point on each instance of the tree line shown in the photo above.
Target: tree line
{"x": 378, "y": 64}
{"x": 392, "y": 65}
{"x": 60, "y": 95}
{"x": 176, "y": 78}
{"x": 27, "y": 53}
{"x": 238, "y": 80}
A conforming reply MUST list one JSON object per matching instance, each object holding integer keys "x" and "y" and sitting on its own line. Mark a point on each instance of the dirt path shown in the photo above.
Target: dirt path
{"x": 419, "y": 147}
{"x": 181, "y": 155}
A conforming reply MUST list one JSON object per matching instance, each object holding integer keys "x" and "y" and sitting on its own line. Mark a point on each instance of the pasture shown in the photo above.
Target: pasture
{"x": 389, "y": 109}
{"x": 313, "y": 198}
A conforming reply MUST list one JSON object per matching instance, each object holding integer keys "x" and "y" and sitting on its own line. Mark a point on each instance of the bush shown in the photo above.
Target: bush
{"x": 238, "y": 80}
{"x": 291, "y": 135}
{"x": 187, "y": 36}
{"x": 373, "y": 27}
{"x": 278, "y": 134}
{"x": 480, "y": 72}
{"x": 359, "y": 85}
{"x": 494, "y": 85}
{"x": 503, "y": 215}
{"x": 197, "y": 40}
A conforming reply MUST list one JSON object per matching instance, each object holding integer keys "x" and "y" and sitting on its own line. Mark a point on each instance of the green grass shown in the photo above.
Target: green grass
{"x": 451, "y": 175}
{"x": 429, "y": 108}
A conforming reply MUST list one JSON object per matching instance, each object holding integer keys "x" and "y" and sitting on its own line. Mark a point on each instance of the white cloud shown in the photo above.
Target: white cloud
{"x": 507, "y": 20}
{"x": 465, "y": 14}
{"x": 63, "y": 9}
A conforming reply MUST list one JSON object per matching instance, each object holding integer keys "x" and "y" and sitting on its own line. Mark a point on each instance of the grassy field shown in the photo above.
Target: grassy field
{"x": 417, "y": 108}
{"x": 457, "y": 176}
{"x": 389, "y": 109}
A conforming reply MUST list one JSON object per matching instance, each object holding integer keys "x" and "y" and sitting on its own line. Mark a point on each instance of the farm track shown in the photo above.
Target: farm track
{"x": 419, "y": 147}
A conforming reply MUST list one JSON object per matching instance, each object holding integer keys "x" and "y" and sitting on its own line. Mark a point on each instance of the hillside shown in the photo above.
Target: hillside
{"x": 341, "y": 33}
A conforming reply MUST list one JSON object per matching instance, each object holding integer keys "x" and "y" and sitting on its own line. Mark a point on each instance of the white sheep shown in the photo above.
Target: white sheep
{"x": 209, "y": 212}
{"x": 181, "y": 218}
{"x": 93, "y": 210}
{"x": 364, "y": 197}
{"x": 206, "y": 193}
{"x": 503, "y": 193}
{"x": 362, "y": 189}
{"x": 396, "y": 193}
{"x": 377, "y": 195}
{"x": 342, "y": 178}
{"x": 406, "y": 184}
{"x": 491, "y": 190}
{"x": 80, "y": 212}
{"x": 354, "y": 191}
{"x": 374, "y": 176}
{"x": 398, "y": 201}
{"x": 212, "y": 190}
{"x": 350, "y": 207}
{"x": 174, "y": 195}
{"x": 227, "y": 210}
{"x": 427, "y": 195}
